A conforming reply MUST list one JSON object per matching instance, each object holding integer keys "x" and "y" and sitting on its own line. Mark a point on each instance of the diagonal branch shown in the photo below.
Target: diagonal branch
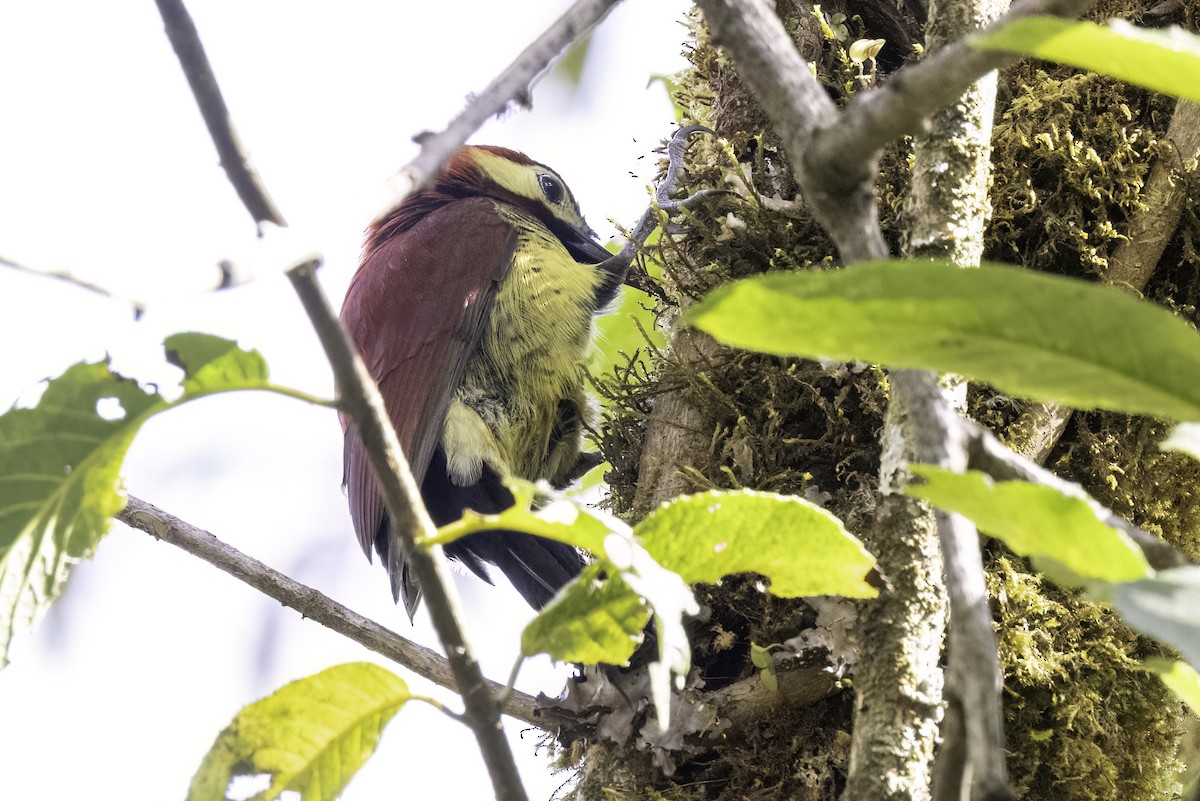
{"x": 181, "y": 30}
{"x": 988, "y": 455}
{"x": 514, "y": 83}
{"x": 840, "y": 149}
{"x": 138, "y": 307}
{"x": 1133, "y": 262}
{"x": 901, "y": 106}
{"x": 833, "y": 155}
{"x": 798, "y": 107}
{"x": 310, "y": 603}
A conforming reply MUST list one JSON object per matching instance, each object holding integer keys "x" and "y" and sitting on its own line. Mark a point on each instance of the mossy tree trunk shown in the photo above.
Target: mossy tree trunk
{"x": 1072, "y": 154}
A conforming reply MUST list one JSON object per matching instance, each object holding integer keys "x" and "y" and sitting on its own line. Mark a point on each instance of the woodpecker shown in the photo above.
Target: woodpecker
{"x": 472, "y": 308}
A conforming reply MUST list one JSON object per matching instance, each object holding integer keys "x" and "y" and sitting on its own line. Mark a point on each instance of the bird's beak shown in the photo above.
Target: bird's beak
{"x": 582, "y": 245}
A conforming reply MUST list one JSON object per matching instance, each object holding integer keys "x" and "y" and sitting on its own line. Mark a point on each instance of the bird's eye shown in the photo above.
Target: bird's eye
{"x": 552, "y": 188}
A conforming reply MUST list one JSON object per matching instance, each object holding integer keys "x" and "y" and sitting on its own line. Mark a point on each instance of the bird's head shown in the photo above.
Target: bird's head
{"x": 510, "y": 177}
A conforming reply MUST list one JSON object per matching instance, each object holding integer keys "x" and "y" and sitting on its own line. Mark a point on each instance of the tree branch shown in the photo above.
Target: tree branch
{"x": 839, "y": 154}
{"x": 833, "y": 155}
{"x": 798, "y": 107}
{"x": 948, "y": 209}
{"x": 1136, "y": 257}
{"x": 513, "y": 83}
{"x": 988, "y": 455}
{"x": 181, "y": 30}
{"x": 898, "y": 677}
{"x": 309, "y": 603}
{"x": 137, "y": 305}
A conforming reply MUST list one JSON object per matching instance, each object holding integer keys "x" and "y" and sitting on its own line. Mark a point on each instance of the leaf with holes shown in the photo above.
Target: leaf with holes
{"x": 214, "y": 364}
{"x": 310, "y": 736}
{"x": 60, "y": 465}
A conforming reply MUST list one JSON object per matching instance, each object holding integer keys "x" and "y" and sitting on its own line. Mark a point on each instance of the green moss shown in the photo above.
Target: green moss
{"x": 1117, "y": 458}
{"x": 770, "y": 423}
{"x": 1071, "y": 153}
{"x": 1083, "y": 721}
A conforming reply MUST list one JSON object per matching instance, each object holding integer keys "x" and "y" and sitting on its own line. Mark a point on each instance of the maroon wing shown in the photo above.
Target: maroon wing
{"x": 416, "y": 309}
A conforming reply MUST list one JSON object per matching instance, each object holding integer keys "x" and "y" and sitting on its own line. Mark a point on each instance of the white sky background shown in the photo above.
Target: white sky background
{"x": 106, "y": 171}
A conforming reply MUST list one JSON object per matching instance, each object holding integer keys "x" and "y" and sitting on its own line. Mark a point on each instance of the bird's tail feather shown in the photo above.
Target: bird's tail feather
{"x": 537, "y": 567}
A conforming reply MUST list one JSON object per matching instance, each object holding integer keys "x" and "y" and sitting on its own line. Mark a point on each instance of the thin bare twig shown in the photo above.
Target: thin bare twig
{"x": 181, "y": 30}
{"x": 308, "y": 602}
{"x": 513, "y": 83}
{"x": 138, "y": 307}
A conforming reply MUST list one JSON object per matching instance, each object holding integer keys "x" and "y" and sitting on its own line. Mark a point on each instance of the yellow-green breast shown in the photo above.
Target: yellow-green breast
{"x": 529, "y": 360}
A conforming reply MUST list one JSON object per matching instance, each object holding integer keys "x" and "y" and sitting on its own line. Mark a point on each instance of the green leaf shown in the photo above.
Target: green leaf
{"x": 1035, "y": 521}
{"x": 592, "y": 620}
{"x": 1166, "y": 61}
{"x": 802, "y": 548}
{"x": 618, "y": 554}
{"x": 1026, "y": 333}
{"x": 214, "y": 364}
{"x": 602, "y": 636}
{"x": 1164, "y": 607}
{"x": 59, "y": 484}
{"x": 310, "y": 736}
{"x": 560, "y": 519}
{"x": 60, "y": 465}
{"x": 1180, "y": 677}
